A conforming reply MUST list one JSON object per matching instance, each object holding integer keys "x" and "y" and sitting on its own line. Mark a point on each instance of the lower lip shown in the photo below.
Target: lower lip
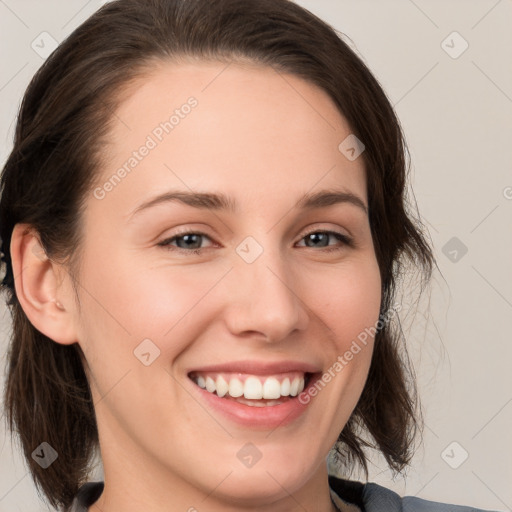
{"x": 271, "y": 416}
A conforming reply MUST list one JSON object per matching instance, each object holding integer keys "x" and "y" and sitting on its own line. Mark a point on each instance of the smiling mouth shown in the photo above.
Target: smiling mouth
{"x": 253, "y": 390}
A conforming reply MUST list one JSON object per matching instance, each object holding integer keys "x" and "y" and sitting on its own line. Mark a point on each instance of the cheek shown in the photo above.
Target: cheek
{"x": 127, "y": 300}
{"x": 125, "y": 303}
{"x": 348, "y": 299}
{"x": 350, "y": 308}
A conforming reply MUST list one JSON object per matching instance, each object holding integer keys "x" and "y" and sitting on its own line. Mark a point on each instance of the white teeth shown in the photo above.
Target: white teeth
{"x": 293, "y": 387}
{"x": 221, "y": 386}
{"x": 253, "y": 388}
{"x": 210, "y": 384}
{"x": 236, "y": 388}
{"x": 285, "y": 387}
{"x": 256, "y": 403}
{"x": 297, "y": 386}
{"x": 271, "y": 388}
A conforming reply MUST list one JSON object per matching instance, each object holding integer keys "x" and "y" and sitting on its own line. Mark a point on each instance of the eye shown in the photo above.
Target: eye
{"x": 321, "y": 238}
{"x": 187, "y": 241}
{"x": 190, "y": 241}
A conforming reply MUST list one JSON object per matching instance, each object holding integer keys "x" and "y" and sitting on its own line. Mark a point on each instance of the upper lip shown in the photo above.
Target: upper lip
{"x": 259, "y": 367}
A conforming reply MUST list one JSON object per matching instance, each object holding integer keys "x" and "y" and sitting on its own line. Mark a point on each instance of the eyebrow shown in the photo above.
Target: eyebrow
{"x": 220, "y": 201}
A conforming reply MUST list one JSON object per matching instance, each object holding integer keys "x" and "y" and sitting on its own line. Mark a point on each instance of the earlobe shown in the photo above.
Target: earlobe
{"x": 37, "y": 285}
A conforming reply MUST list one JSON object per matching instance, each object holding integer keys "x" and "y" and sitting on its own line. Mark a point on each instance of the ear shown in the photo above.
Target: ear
{"x": 39, "y": 287}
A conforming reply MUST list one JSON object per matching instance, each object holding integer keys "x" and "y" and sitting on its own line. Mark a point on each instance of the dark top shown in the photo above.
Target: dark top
{"x": 356, "y": 496}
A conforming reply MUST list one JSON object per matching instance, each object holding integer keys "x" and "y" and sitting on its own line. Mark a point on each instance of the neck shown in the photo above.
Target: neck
{"x": 136, "y": 479}
{"x": 129, "y": 489}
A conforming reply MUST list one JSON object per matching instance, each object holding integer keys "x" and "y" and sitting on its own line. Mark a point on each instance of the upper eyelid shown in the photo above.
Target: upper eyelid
{"x": 202, "y": 233}
{"x": 313, "y": 227}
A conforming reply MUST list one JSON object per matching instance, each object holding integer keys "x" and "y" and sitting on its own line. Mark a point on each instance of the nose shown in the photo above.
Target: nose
{"x": 263, "y": 299}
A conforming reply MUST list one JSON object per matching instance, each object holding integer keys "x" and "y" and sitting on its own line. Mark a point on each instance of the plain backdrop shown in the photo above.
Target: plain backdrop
{"x": 446, "y": 67}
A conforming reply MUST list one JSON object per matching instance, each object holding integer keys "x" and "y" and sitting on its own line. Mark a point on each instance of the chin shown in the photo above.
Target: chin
{"x": 259, "y": 487}
{"x": 270, "y": 478}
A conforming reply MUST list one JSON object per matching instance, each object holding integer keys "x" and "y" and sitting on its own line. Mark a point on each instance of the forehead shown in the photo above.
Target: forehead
{"x": 211, "y": 124}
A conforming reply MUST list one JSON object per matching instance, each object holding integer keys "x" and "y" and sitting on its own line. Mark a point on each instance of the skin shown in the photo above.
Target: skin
{"x": 265, "y": 139}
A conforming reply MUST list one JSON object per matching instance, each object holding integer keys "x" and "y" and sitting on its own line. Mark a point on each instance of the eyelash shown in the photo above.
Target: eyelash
{"x": 346, "y": 241}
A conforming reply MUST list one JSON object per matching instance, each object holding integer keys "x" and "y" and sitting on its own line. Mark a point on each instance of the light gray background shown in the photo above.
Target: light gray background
{"x": 457, "y": 116}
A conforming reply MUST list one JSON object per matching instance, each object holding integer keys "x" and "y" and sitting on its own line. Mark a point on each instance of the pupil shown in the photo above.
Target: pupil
{"x": 316, "y": 236}
{"x": 189, "y": 238}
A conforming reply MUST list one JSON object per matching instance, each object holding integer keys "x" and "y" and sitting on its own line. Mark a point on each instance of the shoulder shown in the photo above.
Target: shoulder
{"x": 372, "y": 497}
{"x": 86, "y": 496}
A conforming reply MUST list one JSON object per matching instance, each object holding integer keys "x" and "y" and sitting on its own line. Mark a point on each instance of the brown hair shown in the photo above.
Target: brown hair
{"x": 62, "y": 122}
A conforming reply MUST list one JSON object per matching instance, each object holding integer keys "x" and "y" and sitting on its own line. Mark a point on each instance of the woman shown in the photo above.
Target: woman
{"x": 175, "y": 164}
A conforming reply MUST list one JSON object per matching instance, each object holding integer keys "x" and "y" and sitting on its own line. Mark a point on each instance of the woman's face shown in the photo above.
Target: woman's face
{"x": 255, "y": 298}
